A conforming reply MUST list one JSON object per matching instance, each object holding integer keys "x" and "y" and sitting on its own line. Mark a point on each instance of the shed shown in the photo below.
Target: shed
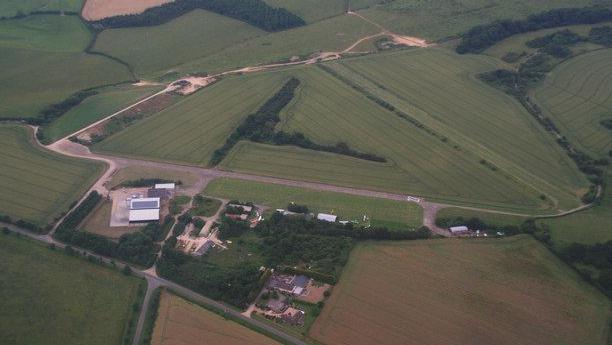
{"x": 327, "y": 217}
{"x": 165, "y": 186}
{"x": 459, "y": 229}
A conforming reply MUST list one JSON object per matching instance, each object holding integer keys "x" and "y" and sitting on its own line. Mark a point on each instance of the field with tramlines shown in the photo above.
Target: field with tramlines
{"x": 192, "y": 36}
{"x": 49, "y": 297}
{"x": 38, "y": 185}
{"x": 445, "y": 134}
{"x": 182, "y": 322}
{"x": 506, "y": 291}
{"x": 10, "y": 8}
{"x": 192, "y": 129}
{"x": 577, "y": 95}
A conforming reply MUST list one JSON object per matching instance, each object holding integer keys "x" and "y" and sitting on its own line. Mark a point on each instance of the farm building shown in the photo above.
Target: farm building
{"x": 170, "y": 186}
{"x": 459, "y": 230}
{"x": 327, "y": 217}
{"x": 144, "y": 210}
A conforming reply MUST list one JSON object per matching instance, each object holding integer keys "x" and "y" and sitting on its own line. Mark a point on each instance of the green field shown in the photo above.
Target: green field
{"x": 507, "y": 291}
{"x": 577, "y": 95}
{"x": 43, "y": 63}
{"x": 394, "y": 214}
{"x": 311, "y": 10}
{"x": 588, "y": 227}
{"x": 437, "y": 19}
{"x": 9, "y": 8}
{"x": 229, "y": 48}
{"x": 94, "y": 108}
{"x": 192, "y": 129}
{"x": 195, "y": 35}
{"x": 38, "y": 185}
{"x": 50, "y": 298}
{"x": 437, "y": 88}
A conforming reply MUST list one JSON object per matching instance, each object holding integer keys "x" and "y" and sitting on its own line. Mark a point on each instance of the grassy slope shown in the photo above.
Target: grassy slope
{"x": 195, "y": 35}
{"x": 577, "y": 95}
{"x": 443, "y": 18}
{"x": 190, "y": 131}
{"x": 38, "y": 185}
{"x": 94, "y": 108}
{"x": 180, "y": 321}
{"x": 43, "y": 302}
{"x": 42, "y": 63}
{"x": 9, "y": 8}
{"x": 506, "y": 291}
{"x": 394, "y": 214}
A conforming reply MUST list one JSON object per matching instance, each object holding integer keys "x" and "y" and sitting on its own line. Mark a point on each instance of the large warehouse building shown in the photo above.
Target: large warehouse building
{"x": 144, "y": 210}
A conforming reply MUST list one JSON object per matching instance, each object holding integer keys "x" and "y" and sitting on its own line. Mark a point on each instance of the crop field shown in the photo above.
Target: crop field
{"x": 192, "y": 36}
{"x": 507, "y": 291}
{"x": 43, "y": 63}
{"x": 577, "y": 95}
{"x": 472, "y": 123}
{"x": 589, "y": 227}
{"x": 38, "y": 185}
{"x": 439, "y": 19}
{"x": 10, "y": 8}
{"x": 191, "y": 130}
{"x": 333, "y": 34}
{"x": 395, "y": 214}
{"x": 100, "y": 9}
{"x": 182, "y": 322}
{"x": 94, "y": 108}
{"x": 44, "y": 303}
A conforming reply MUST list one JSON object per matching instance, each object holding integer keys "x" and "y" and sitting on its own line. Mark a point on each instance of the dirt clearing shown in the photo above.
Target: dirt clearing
{"x": 180, "y": 322}
{"x": 503, "y": 292}
{"x": 100, "y": 9}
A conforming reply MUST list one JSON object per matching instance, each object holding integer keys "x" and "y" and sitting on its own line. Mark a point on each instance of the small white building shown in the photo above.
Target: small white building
{"x": 327, "y": 217}
{"x": 144, "y": 210}
{"x": 165, "y": 186}
{"x": 459, "y": 230}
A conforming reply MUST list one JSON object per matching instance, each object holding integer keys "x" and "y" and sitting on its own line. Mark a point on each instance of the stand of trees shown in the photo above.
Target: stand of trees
{"x": 255, "y": 12}
{"x": 601, "y": 35}
{"x": 259, "y": 127}
{"x": 484, "y": 36}
{"x": 598, "y": 256}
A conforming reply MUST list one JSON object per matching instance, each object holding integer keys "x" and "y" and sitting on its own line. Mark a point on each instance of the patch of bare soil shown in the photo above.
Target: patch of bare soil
{"x": 100, "y": 9}
{"x": 409, "y": 41}
{"x": 189, "y": 85}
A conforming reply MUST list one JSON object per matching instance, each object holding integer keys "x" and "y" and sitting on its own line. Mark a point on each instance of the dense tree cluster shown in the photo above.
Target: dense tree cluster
{"x": 21, "y": 223}
{"x": 475, "y": 223}
{"x": 137, "y": 247}
{"x": 234, "y": 285}
{"x": 53, "y": 111}
{"x": 597, "y": 255}
{"x": 232, "y": 228}
{"x": 297, "y": 208}
{"x": 259, "y": 127}
{"x": 321, "y": 246}
{"x": 601, "y": 35}
{"x": 146, "y": 182}
{"x": 607, "y": 123}
{"x": 484, "y": 36}
{"x": 255, "y": 12}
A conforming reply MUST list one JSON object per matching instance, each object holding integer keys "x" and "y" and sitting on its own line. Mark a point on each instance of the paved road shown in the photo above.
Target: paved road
{"x": 154, "y": 282}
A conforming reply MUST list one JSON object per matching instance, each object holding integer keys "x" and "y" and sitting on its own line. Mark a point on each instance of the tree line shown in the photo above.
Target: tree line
{"x": 259, "y": 127}
{"x": 597, "y": 255}
{"x": 255, "y": 12}
{"x": 484, "y": 36}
